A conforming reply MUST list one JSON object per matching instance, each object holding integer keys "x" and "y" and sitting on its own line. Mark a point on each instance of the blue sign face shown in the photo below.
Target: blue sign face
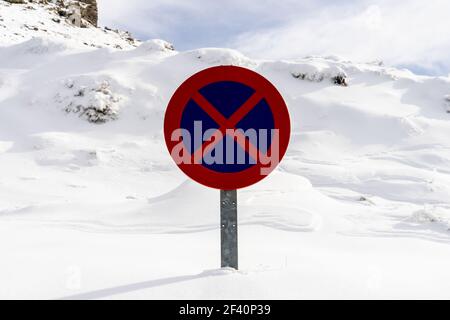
{"x": 227, "y": 97}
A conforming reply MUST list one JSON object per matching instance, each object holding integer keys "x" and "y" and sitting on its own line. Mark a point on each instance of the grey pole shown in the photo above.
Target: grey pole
{"x": 229, "y": 228}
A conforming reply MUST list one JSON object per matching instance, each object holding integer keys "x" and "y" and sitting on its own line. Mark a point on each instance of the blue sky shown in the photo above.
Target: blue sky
{"x": 407, "y": 33}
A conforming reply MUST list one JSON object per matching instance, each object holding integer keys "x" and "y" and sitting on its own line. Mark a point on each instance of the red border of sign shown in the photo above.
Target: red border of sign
{"x": 181, "y": 97}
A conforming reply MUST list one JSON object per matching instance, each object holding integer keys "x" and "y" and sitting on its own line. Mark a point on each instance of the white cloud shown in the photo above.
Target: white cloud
{"x": 196, "y": 23}
{"x": 407, "y": 32}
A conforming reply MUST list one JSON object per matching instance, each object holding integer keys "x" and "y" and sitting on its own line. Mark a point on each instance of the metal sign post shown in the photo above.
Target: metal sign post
{"x": 229, "y": 229}
{"x": 227, "y": 128}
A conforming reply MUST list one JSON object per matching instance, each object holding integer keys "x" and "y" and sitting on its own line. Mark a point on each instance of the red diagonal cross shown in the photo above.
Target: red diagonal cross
{"x": 225, "y": 124}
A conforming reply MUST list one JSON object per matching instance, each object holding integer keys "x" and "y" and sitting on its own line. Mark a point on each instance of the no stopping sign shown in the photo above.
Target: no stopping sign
{"x": 227, "y": 127}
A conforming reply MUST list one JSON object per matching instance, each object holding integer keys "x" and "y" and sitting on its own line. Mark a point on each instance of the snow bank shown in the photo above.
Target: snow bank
{"x": 315, "y": 71}
{"x": 35, "y": 51}
{"x": 91, "y": 100}
{"x": 95, "y": 99}
{"x": 434, "y": 216}
{"x": 40, "y": 46}
{"x": 153, "y": 45}
{"x": 216, "y": 56}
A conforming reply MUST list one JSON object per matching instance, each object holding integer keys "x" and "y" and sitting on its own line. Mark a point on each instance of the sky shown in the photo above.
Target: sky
{"x": 414, "y": 34}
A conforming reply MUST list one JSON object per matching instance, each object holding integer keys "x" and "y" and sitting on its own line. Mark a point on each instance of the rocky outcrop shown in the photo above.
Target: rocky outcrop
{"x": 447, "y": 102}
{"x": 80, "y": 13}
{"x": 59, "y": 19}
{"x": 89, "y": 11}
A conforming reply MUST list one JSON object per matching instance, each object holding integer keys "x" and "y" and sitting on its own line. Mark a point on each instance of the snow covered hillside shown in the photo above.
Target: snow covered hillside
{"x": 92, "y": 206}
{"x": 22, "y": 22}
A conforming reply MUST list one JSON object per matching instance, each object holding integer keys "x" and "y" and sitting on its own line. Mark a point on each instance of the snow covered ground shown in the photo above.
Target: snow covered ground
{"x": 92, "y": 206}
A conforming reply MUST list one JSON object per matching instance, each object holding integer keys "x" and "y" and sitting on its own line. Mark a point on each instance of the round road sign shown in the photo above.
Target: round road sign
{"x": 227, "y": 127}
